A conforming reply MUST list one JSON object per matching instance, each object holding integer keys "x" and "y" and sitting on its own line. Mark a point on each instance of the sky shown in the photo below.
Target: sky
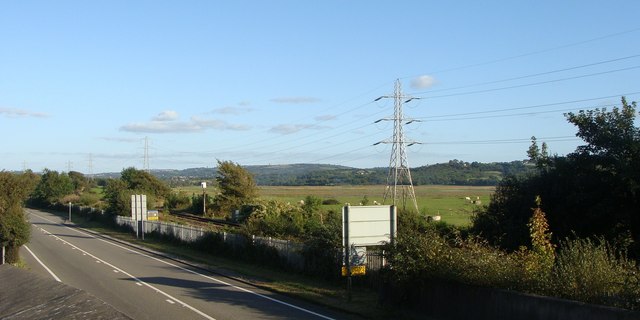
{"x": 93, "y": 86}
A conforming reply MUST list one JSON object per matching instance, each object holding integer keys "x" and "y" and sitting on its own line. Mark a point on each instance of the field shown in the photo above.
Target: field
{"x": 446, "y": 201}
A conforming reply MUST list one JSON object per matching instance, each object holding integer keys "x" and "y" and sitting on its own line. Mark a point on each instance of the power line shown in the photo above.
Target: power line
{"x": 611, "y": 35}
{"x": 506, "y": 141}
{"x": 531, "y": 75}
{"x": 530, "y": 84}
{"x": 430, "y": 118}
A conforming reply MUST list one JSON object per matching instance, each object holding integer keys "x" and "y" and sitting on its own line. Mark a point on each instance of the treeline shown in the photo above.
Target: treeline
{"x": 454, "y": 172}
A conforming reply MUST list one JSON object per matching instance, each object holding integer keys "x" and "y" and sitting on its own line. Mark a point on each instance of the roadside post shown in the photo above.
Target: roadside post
{"x": 362, "y": 227}
{"x": 139, "y": 213}
{"x": 204, "y": 198}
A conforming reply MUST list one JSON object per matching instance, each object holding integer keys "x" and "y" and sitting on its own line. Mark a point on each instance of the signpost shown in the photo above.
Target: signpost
{"x": 364, "y": 226}
{"x": 139, "y": 212}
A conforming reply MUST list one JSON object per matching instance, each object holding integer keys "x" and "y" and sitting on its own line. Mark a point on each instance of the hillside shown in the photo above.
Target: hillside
{"x": 455, "y": 172}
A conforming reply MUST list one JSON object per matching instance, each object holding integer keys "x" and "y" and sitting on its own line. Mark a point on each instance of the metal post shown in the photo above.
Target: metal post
{"x": 69, "y": 211}
{"x": 204, "y": 198}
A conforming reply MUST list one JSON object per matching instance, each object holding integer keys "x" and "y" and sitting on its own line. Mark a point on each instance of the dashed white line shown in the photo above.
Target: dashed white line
{"x": 197, "y": 273}
{"x": 204, "y": 315}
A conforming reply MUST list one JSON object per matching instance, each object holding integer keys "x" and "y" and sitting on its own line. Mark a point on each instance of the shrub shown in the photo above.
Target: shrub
{"x": 332, "y": 201}
{"x": 592, "y": 271}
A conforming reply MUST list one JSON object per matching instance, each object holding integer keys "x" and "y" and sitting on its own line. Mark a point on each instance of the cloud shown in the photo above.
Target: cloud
{"x": 290, "y": 128}
{"x": 232, "y": 110}
{"x": 295, "y": 100}
{"x": 423, "y": 82}
{"x": 120, "y": 139}
{"x": 325, "y": 117}
{"x": 162, "y": 127}
{"x": 218, "y": 124}
{"x": 165, "y": 123}
{"x": 21, "y": 113}
{"x": 168, "y": 115}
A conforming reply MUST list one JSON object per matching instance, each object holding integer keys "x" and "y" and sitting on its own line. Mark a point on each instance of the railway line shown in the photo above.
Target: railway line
{"x": 218, "y": 222}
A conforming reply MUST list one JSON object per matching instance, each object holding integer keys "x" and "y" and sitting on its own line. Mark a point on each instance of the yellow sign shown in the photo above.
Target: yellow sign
{"x": 152, "y": 218}
{"x": 355, "y": 271}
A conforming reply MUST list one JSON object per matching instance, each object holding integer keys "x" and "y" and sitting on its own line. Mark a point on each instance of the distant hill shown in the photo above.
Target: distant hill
{"x": 455, "y": 172}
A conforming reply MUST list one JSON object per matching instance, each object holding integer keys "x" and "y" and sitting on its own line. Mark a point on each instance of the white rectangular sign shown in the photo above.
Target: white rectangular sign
{"x": 368, "y": 225}
{"x": 139, "y": 207}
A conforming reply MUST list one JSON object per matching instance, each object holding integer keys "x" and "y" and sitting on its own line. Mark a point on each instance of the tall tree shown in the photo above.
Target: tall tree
{"x": 236, "y": 185}
{"x": 14, "y": 228}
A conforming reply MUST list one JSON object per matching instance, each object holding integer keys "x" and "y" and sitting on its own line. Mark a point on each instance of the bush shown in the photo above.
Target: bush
{"x": 330, "y": 202}
{"x": 593, "y": 272}
{"x": 178, "y": 201}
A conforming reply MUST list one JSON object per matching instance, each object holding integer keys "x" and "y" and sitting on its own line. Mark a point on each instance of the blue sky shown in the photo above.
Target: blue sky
{"x": 83, "y": 83}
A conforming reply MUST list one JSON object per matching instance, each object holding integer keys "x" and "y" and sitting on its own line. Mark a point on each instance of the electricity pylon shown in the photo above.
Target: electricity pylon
{"x": 399, "y": 184}
{"x": 146, "y": 155}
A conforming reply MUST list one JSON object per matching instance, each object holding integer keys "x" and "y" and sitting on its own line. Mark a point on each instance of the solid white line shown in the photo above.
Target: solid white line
{"x": 133, "y": 277}
{"x": 197, "y": 273}
{"x": 42, "y": 264}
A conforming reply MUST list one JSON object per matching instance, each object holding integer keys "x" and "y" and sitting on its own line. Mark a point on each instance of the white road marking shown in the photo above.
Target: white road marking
{"x": 204, "y": 315}
{"x": 194, "y": 272}
{"x": 170, "y": 301}
{"x": 42, "y": 264}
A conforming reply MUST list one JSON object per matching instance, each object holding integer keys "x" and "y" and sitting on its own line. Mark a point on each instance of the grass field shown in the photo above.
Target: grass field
{"x": 446, "y": 201}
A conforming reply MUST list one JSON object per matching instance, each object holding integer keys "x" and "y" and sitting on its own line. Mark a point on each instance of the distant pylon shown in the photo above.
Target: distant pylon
{"x": 146, "y": 155}
{"x": 90, "y": 165}
{"x": 399, "y": 184}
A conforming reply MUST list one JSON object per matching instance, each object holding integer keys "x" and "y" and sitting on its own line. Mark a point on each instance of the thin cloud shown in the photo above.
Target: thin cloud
{"x": 218, "y": 124}
{"x": 120, "y": 139}
{"x": 289, "y": 128}
{"x": 168, "y": 115}
{"x": 232, "y": 110}
{"x": 295, "y": 100}
{"x": 423, "y": 82}
{"x": 195, "y": 124}
{"x": 21, "y": 113}
{"x": 293, "y": 128}
{"x": 326, "y": 117}
{"x": 162, "y": 127}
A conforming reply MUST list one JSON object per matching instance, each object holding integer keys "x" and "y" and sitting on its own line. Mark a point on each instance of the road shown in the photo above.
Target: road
{"x": 147, "y": 286}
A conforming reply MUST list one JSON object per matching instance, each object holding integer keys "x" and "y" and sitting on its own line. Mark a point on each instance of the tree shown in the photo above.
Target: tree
{"x": 540, "y": 157}
{"x": 236, "y": 185}
{"x": 118, "y": 192}
{"x": 79, "y": 181}
{"x": 53, "y": 186}
{"x": 594, "y": 191}
{"x": 143, "y": 181}
{"x": 14, "y": 228}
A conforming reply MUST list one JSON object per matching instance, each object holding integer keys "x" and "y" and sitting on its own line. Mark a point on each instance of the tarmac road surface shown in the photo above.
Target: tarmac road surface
{"x": 144, "y": 285}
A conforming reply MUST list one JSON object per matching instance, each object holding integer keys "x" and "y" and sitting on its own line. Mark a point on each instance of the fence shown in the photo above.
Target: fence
{"x": 290, "y": 251}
